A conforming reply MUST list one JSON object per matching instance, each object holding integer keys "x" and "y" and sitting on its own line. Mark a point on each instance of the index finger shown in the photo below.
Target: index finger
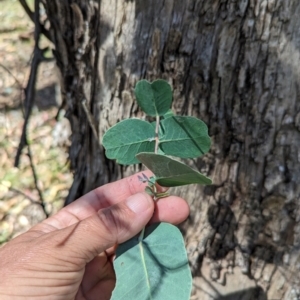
{"x": 109, "y": 194}
{"x": 99, "y": 198}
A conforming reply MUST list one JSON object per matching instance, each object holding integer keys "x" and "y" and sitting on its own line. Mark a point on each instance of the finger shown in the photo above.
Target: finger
{"x": 116, "y": 224}
{"x": 97, "y": 270}
{"x": 170, "y": 209}
{"x": 97, "y": 199}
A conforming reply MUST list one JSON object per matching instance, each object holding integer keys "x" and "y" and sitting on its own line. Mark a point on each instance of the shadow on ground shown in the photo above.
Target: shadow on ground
{"x": 248, "y": 294}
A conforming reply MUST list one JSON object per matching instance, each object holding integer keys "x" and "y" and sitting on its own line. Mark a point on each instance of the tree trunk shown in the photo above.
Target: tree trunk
{"x": 235, "y": 65}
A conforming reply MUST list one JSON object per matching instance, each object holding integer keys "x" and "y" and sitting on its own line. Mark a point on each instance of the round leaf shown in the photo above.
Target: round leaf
{"x": 155, "y": 268}
{"x": 170, "y": 172}
{"x": 127, "y": 138}
{"x": 185, "y": 137}
{"x": 154, "y": 98}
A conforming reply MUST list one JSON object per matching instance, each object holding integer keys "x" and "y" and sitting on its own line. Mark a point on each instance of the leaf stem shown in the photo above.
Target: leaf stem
{"x": 141, "y": 236}
{"x": 156, "y": 134}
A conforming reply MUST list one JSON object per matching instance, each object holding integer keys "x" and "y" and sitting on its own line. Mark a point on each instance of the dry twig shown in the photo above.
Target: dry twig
{"x": 12, "y": 75}
{"x": 38, "y": 57}
{"x": 31, "y": 15}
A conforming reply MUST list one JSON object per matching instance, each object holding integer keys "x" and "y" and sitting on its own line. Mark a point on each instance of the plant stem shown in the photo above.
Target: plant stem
{"x": 141, "y": 236}
{"x": 156, "y": 134}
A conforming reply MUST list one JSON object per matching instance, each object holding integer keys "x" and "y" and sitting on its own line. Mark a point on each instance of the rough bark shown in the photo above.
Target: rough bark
{"x": 232, "y": 63}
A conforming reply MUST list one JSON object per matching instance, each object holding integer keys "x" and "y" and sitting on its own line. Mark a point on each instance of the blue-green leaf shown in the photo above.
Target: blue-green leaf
{"x": 155, "y": 268}
{"x": 170, "y": 172}
{"x": 185, "y": 137}
{"x": 127, "y": 138}
{"x": 154, "y": 98}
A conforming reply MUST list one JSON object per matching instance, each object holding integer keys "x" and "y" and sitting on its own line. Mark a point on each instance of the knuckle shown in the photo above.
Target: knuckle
{"x": 113, "y": 220}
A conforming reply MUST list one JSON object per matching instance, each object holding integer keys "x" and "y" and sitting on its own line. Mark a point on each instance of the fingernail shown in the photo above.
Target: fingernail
{"x": 139, "y": 202}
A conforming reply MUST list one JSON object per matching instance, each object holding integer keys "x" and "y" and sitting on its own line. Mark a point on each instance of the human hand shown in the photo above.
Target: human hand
{"x": 69, "y": 255}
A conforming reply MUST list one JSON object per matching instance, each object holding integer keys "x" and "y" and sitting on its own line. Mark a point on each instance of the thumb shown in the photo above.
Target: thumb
{"x": 108, "y": 226}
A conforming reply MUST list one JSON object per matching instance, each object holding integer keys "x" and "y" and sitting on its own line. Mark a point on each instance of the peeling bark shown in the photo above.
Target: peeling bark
{"x": 234, "y": 64}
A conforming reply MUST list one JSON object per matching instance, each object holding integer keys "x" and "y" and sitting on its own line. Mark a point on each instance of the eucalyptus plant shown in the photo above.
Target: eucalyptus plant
{"x": 154, "y": 265}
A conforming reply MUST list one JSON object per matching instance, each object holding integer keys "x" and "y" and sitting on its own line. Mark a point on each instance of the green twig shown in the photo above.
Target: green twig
{"x": 156, "y": 134}
{"x": 141, "y": 236}
{"x": 155, "y": 195}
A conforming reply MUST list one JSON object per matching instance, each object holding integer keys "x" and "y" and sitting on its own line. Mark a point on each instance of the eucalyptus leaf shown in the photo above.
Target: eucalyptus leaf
{"x": 154, "y": 268}
{"x": 154, "y": 98}
{"x": 127, "y": 138}
{"x": 170, "y": 172}
{"x": 185, "y": 137}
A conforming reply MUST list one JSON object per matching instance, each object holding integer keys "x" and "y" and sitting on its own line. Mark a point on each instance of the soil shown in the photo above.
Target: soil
{"x": 20, "y": 206}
